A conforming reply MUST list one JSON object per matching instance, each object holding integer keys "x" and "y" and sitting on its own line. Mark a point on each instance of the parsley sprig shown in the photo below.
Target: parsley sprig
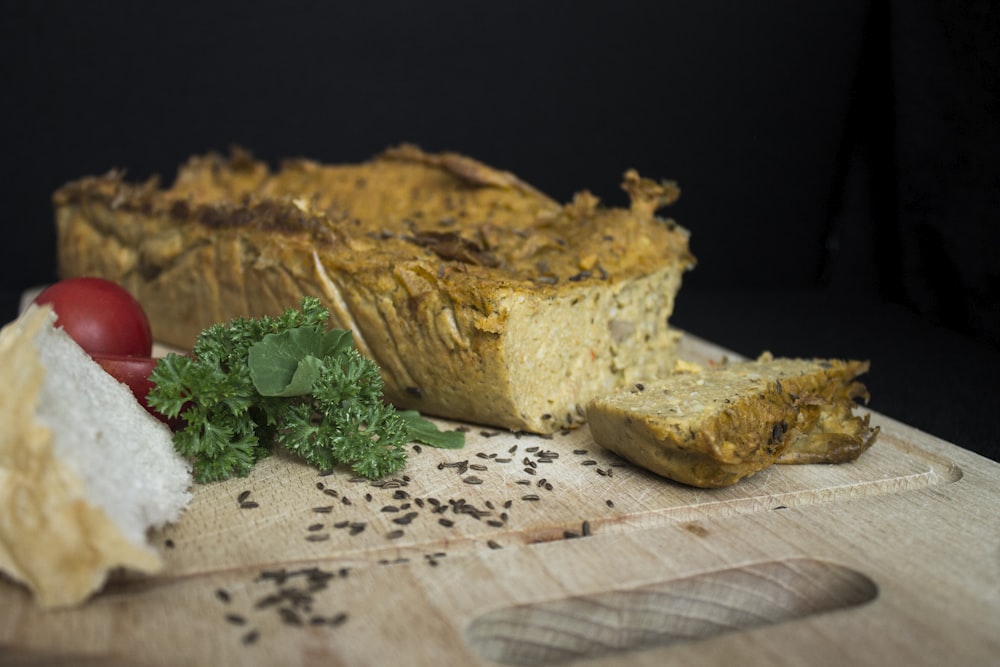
{"x": 287, "y": 380}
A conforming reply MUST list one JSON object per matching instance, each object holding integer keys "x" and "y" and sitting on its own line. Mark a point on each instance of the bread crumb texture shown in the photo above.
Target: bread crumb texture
{"x": 480, "y": 298}
{"x": 712, "y": 427}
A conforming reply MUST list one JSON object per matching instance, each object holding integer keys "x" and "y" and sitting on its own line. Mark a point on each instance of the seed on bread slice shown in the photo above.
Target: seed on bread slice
{"x": 713, "y": 427}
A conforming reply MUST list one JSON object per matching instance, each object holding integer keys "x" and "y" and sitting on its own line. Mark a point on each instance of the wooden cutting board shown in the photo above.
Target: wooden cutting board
{"x": 526, "y": 550}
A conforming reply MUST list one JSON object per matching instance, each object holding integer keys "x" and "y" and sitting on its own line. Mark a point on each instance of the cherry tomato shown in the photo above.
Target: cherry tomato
{"x": 134, "y": 372}
{"x": 101, "y": 316}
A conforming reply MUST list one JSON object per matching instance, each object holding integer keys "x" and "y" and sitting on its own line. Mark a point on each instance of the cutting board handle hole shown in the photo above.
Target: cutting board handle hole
{"x": 656, "y": 615}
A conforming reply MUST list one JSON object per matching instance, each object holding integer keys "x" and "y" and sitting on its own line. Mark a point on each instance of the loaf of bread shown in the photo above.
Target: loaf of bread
{"x": 712, "y": 427}
{"x": 85, "y": 470}
{"x": 480, "y": 298}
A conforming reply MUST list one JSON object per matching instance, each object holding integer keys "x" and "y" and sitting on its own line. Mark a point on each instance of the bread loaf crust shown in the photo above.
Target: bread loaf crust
{"x": 480, "y": 298}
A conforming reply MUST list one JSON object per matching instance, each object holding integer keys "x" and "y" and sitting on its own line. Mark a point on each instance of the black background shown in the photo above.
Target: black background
{"x": 838, "y": 158}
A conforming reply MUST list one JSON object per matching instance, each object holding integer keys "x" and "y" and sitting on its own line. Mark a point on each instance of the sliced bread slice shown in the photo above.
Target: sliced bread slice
{"x": 712, "y": 427}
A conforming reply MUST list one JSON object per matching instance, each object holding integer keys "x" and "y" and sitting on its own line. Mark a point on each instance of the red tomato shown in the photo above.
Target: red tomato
{"x": 101, "y": 316}
{"x": 135, "y": 372}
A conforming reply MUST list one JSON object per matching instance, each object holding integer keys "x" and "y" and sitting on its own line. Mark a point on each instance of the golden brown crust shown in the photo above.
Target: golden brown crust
{"x": 715, "y": 427}
{"x": 481, "y": 298}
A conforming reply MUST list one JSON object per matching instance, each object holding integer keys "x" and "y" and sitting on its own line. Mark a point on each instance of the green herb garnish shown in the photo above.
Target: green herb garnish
{"x": 427, "y": 433}
{"x": 287, "y": 380}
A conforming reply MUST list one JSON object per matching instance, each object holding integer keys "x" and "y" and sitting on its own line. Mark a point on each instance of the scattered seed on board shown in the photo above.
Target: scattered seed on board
{"x": 609, "y": 503}
{"x": 325, "y": 509}
{"x": 531, "y": 497}
{"x": 472, "y": 479}
{"x": 248, "y": 505}
{"x": 289, "y": 616}
{"x": 314, "y": 527}
{"x": 251, "y": 637}
{"x": 447, "y": 523}
{"x": 394, "y": 534}
{"x": 493, "y": 544}
{"x": 223, "y": 595}
{"x": 243, "y": 496}
{"x": 318, "y": 537}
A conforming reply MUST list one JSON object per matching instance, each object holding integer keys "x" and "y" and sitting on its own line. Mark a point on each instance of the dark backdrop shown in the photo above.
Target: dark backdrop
{"x": 838, "y": 158}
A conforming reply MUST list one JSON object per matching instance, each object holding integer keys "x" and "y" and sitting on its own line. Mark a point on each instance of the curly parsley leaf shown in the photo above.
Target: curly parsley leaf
{"x": 286, "y": 380}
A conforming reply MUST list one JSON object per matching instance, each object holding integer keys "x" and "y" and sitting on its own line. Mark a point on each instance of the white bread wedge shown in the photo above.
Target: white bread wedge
{"x": 85, "y": 470}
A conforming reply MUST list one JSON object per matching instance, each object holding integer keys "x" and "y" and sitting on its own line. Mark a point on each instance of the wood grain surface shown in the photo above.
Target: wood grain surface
{"x": 525, "y": 550}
